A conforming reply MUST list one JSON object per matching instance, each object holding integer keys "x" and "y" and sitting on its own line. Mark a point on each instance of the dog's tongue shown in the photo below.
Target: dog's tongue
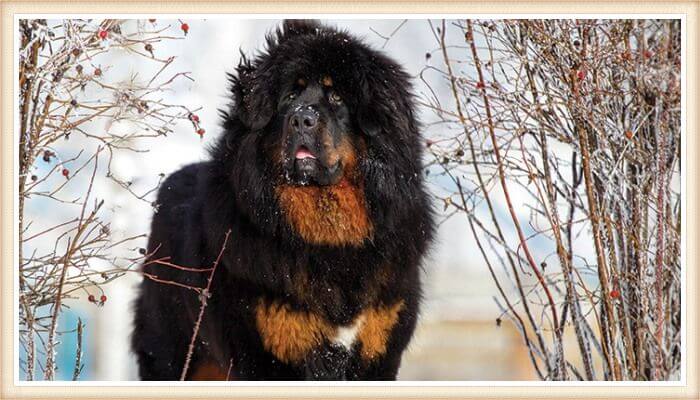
{"x": 303, "y": 153}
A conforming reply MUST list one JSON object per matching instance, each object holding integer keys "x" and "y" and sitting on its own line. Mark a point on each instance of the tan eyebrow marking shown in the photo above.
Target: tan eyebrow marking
{"x": 327, "y": 81}
{"x": 301, "y": 82}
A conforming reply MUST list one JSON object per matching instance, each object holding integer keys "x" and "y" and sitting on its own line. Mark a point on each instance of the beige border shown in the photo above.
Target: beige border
{"x": 9, "y": 8}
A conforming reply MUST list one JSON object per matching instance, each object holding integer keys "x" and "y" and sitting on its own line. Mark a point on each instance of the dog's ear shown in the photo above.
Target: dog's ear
{"x": 368, "y": 122}
{"x": 373, "y": 113}
{"x": 253, "y": 104}
{"x": 387, "y": 106}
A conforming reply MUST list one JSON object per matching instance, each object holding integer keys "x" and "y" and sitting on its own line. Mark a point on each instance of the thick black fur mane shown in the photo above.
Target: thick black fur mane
{"x": 391, "y": 172}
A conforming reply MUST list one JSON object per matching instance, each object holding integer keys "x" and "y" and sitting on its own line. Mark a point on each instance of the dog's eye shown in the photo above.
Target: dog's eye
{"x": 335, "y": 98}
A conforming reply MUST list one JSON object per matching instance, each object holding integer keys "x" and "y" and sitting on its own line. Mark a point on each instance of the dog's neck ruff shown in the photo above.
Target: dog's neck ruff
{"x": 327, "y": 215}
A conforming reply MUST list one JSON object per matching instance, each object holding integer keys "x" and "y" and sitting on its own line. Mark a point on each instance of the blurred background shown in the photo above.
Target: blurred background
{"x": 459, "y": 336}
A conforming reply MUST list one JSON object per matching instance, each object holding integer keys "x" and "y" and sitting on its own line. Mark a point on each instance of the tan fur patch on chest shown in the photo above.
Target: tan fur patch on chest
{"x": 334, "y": 215}
{"x": 291, "y": 334}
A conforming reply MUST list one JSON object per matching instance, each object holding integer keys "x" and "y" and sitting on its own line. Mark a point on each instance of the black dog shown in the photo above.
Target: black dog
{"x": 318, "y": 178}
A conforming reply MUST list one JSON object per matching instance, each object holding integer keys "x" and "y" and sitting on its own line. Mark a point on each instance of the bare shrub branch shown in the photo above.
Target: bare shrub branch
{"x": 75, "y": 105}
{"x": 572, "y": 129}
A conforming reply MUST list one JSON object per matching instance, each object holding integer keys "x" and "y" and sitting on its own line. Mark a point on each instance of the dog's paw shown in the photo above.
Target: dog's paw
{"x": 327, "y": 363}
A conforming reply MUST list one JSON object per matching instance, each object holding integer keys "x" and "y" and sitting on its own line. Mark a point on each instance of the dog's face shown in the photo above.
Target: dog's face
{"x": 316, "y": 145}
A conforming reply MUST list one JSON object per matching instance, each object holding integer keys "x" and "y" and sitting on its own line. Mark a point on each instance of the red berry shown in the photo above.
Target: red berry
{"x": 201, "y": 131}
{"x": 185, "y": 28}
{"x": 581, "y": 74}
{"x": 614, "y": 293}
{"x": 629, "y": 134}
{"x": 65, "y": 172}
{"x": 98, "y": 72}
{"x": 648, "y": 54}
{"x": 152, "y": 20}
{"x": 103, "y": 298}
{"x": 480, "y": 85}
{"x": 194, "y": 118}
{"x": 428, "y": 143}
{"x": 91, "y": 298}
{"x": 102, "y": 34}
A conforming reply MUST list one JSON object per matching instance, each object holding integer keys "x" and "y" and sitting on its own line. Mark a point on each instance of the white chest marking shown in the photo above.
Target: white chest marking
{"x": 347, "y": 335}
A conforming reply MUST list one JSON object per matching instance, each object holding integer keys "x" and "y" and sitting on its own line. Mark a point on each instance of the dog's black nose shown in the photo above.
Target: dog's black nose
{"x": 304, "y": 119}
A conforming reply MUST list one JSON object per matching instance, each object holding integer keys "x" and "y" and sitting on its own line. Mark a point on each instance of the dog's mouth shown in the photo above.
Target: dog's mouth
{"x": 306, "y": 164}
{"x": 306, "y": 169}
{"x": 304, "y": 153}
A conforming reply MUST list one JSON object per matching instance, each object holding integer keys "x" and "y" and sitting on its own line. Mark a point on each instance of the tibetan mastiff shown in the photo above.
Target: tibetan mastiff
{"x": 317, "y": 178}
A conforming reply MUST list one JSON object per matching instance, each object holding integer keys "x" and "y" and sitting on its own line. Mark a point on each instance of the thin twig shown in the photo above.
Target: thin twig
{"x": 203, "y": 305}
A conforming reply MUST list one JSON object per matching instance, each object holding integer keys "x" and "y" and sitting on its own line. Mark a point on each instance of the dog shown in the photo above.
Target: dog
{"x": 317, "y": 181}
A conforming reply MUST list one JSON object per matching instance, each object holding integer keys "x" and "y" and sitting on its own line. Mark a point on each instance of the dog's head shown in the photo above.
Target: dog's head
{"x": 316, "y": 113}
